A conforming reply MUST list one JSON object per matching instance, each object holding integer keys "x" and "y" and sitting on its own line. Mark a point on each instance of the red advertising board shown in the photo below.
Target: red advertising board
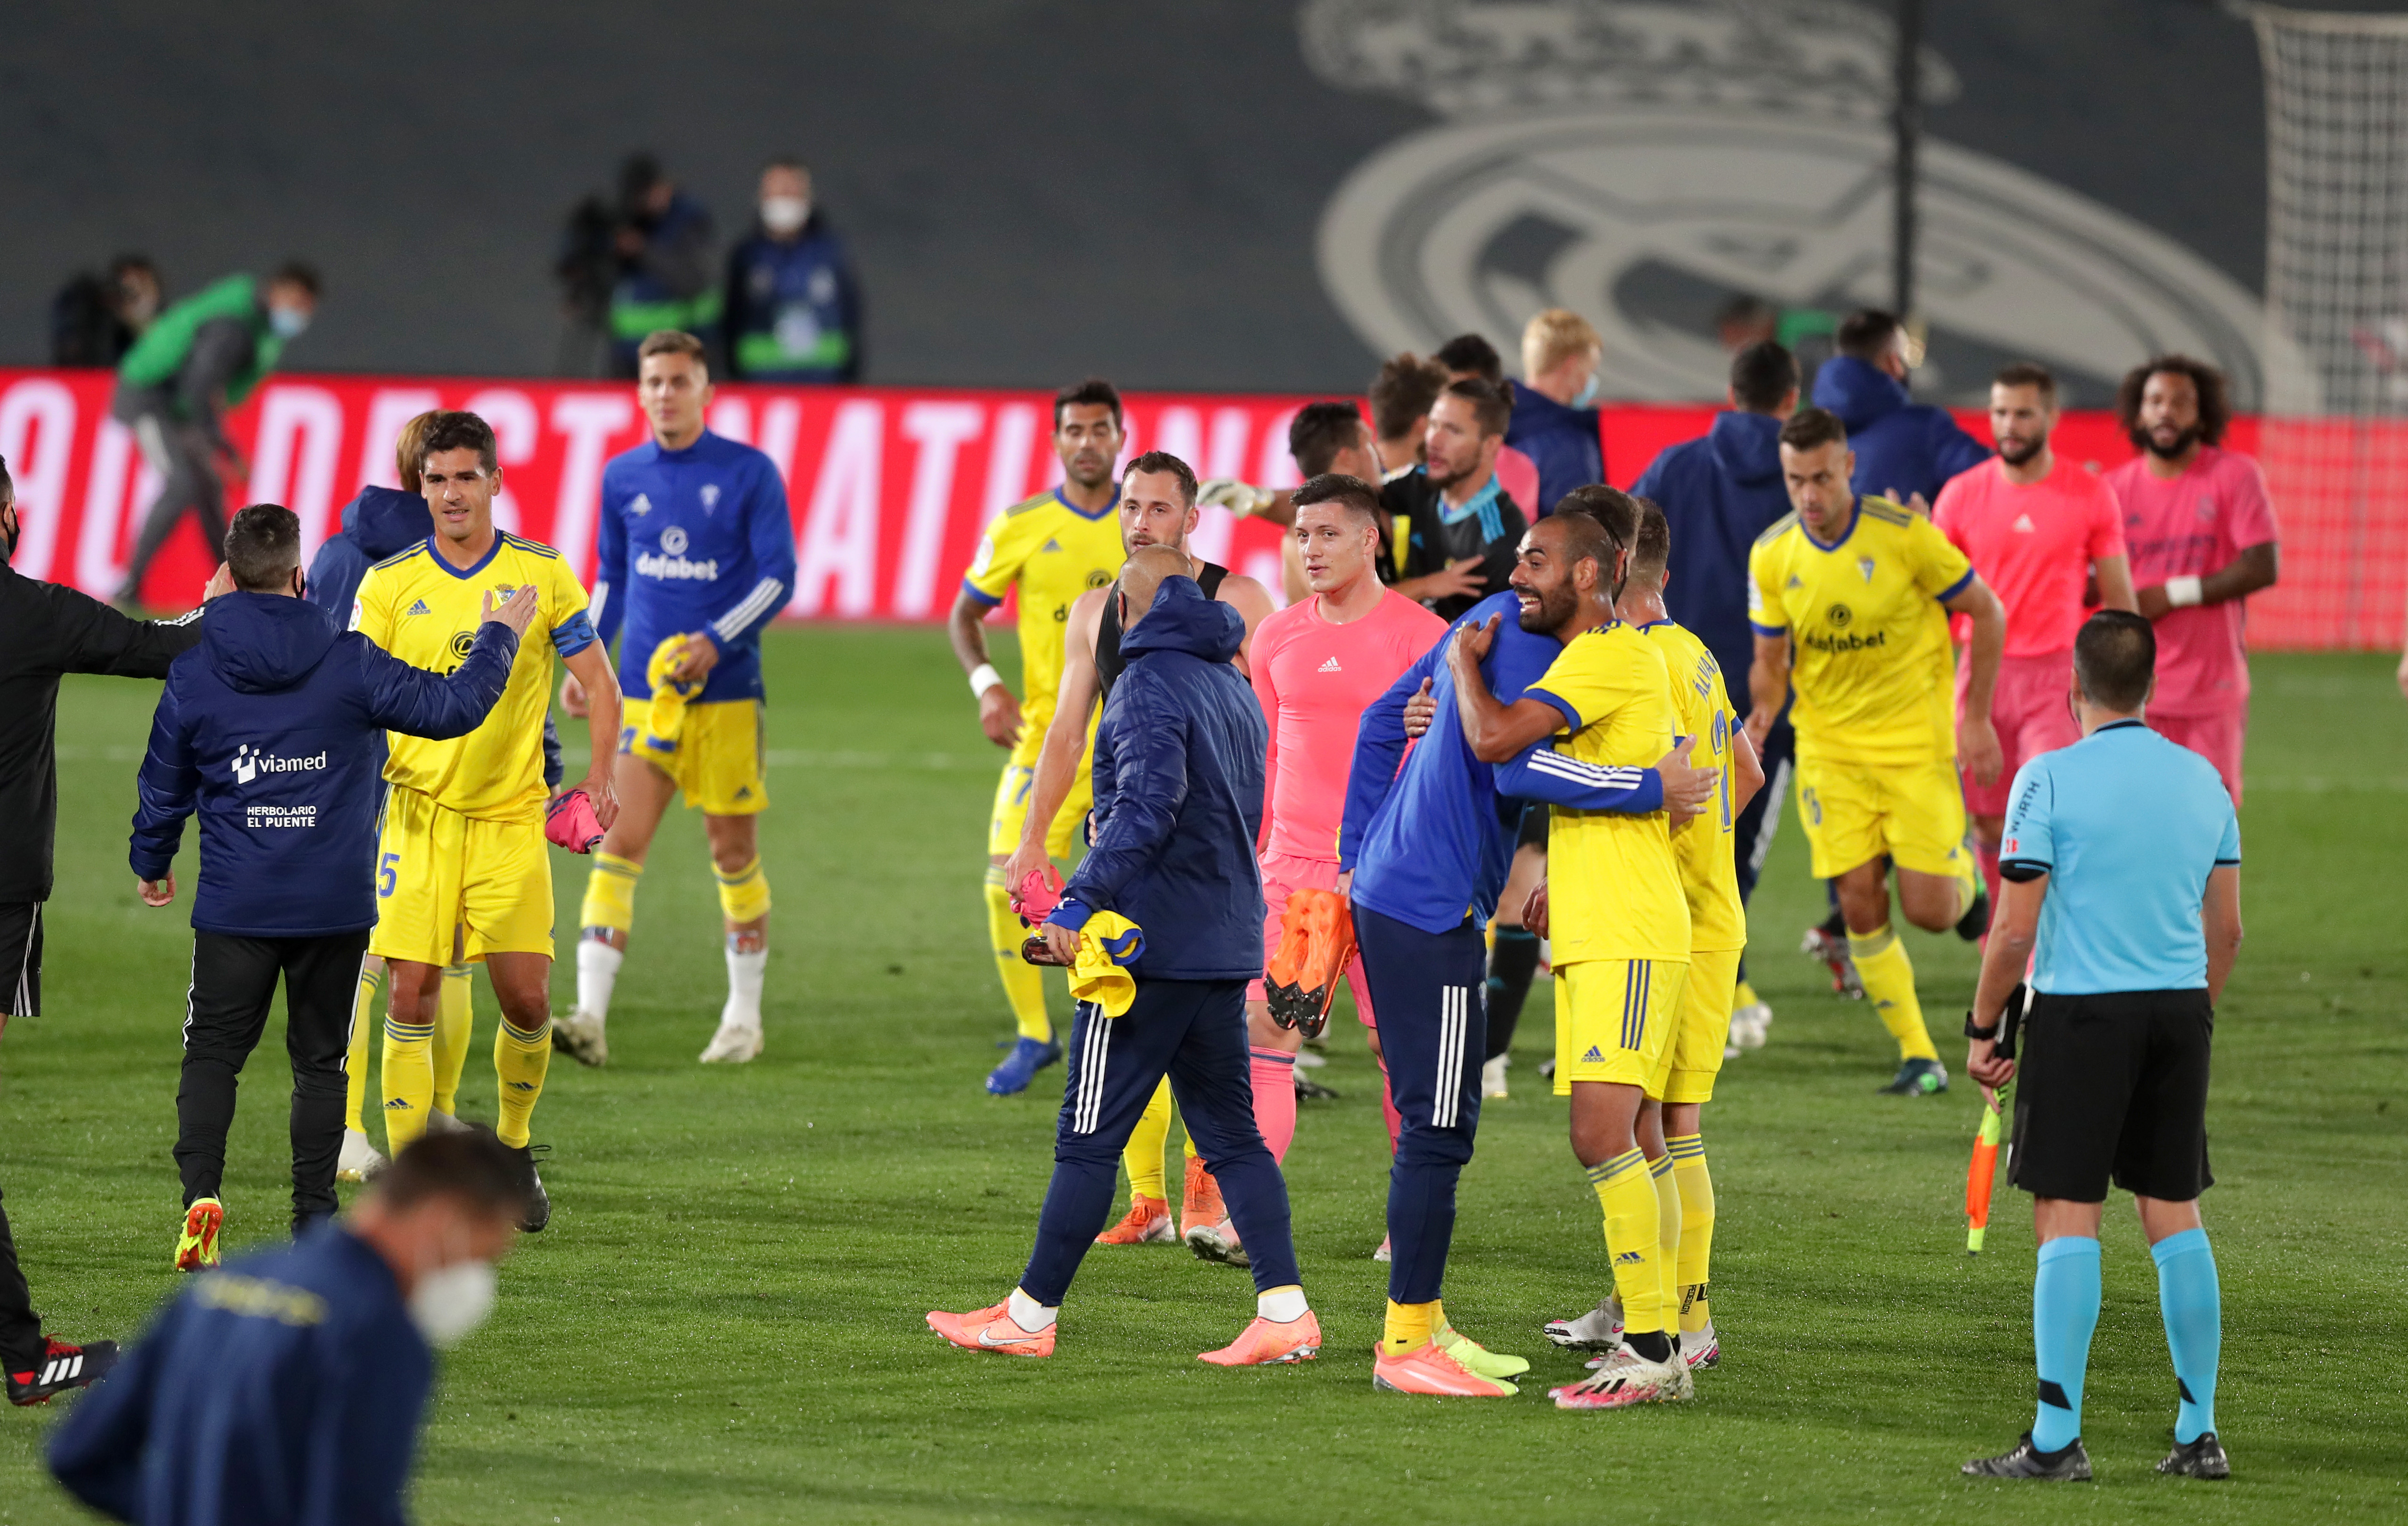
{"x": 889, "y": 487}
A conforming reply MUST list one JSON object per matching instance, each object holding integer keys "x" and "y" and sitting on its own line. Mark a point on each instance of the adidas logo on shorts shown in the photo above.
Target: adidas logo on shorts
{"x": 1592, "y": 1057}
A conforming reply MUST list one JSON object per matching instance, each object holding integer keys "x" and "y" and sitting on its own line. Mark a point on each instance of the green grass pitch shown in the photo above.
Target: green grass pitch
{"x": 723, "y": 1321}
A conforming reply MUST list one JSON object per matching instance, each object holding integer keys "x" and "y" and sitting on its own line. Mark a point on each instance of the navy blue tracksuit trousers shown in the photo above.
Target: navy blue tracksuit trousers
{"x": 1431, "y": 992}
{"x": 1195, "y": 1032}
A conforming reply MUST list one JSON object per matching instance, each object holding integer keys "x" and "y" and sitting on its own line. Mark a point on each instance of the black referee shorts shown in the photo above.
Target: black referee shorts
{"x": 20, "y": 958}
{"x": 2113, "y": 1086}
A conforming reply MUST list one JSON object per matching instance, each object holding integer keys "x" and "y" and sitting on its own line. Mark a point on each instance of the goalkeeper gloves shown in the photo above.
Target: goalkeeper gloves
{"x": 1239, "y": 498}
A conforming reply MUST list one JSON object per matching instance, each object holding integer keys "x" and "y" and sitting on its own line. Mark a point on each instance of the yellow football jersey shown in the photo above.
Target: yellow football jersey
{"x": 1614, "y": 890}
{"x": 1869, "y": 643}
{"x": 426, "y": 611}
{"x": 1705, "y": 849}
{"x": 1054, "y": 552}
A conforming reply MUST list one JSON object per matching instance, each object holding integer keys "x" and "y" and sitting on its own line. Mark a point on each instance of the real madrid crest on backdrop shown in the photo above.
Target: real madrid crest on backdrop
{"x": 1646, "y": 162}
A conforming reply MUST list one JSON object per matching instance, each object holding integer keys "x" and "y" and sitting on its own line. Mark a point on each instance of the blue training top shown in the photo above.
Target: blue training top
{"x": 1430, "y": 841}
{"x": 2126, "y": 826}
{"x": 691, "y": 540}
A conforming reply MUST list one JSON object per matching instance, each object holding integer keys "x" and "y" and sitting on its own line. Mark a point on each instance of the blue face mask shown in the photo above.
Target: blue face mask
{"x": 1588, "y": 394}
{"x": 288, "y": 323}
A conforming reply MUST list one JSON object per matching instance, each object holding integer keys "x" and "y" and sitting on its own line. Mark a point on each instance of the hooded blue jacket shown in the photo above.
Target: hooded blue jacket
{"x": 1902, "y": 447}
{"x": 286, "y": 1390}
{"x": 1561, "y": 441}
{"x": 377, "y": 524}
{"x": 1179, "y": 795}
{"x": 1720, "y": 492}
{"x": 271, "y": 729}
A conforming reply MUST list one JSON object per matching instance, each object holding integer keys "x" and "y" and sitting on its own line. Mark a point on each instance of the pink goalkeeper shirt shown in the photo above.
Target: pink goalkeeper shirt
{"x": 2033, "y": 544}
{"x": 1315, "y": 680}
{"x": 2193, "y": 525}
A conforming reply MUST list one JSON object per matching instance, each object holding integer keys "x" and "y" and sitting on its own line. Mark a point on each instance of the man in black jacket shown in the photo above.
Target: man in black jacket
{"x": 269, "y": 733}
{"x": 45, "y": 630}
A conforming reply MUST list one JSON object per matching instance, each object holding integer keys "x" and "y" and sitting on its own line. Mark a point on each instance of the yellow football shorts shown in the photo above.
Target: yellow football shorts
{"x": 1856, "y": 812}
{"x": 437, "y": 870}
{"x": 1614, "y": 1018}
{"x": 1011, "y": 797}
{"x": 1686, "y": 1071}
{"x": 718, "y": 763}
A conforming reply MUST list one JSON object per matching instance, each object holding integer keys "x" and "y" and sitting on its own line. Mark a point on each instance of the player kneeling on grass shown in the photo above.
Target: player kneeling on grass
{"x": 1179, "y": 805}
{"x": 2122, "y": 860}
{"x": 289, "y": 1388}
{"x": 269, "y": 731}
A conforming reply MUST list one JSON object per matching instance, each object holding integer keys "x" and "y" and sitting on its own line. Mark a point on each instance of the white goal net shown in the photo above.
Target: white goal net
{"x": 2334, "y": 440}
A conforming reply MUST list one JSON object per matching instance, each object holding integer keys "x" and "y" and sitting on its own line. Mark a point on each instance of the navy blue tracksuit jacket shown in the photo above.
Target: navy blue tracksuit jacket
{"x": 1179, "y": 795}
{"x": 286, "y": 1390}
{"x": 1720, "y": 494}
{"x": 1562, "y": 441}
{"x": 271, "y": 730}
{"x": 1902, "y": 447}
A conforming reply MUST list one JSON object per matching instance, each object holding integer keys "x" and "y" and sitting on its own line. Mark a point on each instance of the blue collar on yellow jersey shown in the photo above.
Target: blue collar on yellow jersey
{"x": 1855, "y": 511}
{"x": 1083, "y": 513}
{"x": 435, "y": 554}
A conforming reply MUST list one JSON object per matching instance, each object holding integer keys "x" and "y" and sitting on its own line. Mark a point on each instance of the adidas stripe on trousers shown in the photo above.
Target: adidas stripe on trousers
{"x": 1194, "y": 1032}
{"x": 1431, "y": 992}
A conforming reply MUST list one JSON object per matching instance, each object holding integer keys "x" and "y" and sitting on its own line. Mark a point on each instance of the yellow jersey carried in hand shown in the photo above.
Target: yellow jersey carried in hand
{"x": 1614, "y": 890}
{"x": 1054, "y": 552}
{"x": 1705, "y": 848}
{"x": 426, "y": 611}
{"x": 1867, "y": 640}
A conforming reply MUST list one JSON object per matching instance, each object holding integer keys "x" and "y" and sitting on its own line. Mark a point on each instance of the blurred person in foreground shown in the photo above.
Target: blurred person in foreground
{"x": 791, "y": 308}
{"x": 291, "y": 1387}
{"x": 270, "y": 733}
{"x": 199, "y": 362}
{"x": 47, "y": 629}
{"x": 2201, "y": 530}
{"x": 661, "y": 246}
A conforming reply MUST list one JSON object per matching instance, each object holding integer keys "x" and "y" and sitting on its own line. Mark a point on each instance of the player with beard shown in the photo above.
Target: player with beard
{"x": 1158, "y": 506}
{"x": 2201, "y": 530}
{"x": 2038, "y": 528}
{"x": 1053, "y": 547}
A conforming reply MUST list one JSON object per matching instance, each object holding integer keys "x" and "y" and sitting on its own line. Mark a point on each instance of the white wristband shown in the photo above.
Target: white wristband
{"x": 2182, "y": 592}
{"x": 984, "y": 678}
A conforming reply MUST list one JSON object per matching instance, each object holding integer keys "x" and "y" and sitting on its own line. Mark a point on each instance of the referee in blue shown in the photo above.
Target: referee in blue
{"x": 2123, "y": 858}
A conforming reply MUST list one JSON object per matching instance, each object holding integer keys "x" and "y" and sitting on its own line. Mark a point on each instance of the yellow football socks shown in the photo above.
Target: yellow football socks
{"x": 363, "y": 1029}
{"x": 453, "y": 1024}
{"x": 611, "y": 893}
{"x": 744, "y": 896}
{"x": 1409, "y": 1326}
{"x": 409, "y": 1080}
{"x": 1144, "y": 1153}
{"x": 1969, "y": 882}
{"x": 1888, "y": 976}
{"x": 1744, "y": 997}
{"x": 520, "y": 1061}
{"x": 1633, "y": 1238}
{"x": 1688, "y": 1153}
{"x": 1024, "y": 987}
{"x": 1668, "y": 1236}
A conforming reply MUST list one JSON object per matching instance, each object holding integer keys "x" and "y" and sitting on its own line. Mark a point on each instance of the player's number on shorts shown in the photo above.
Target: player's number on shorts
{"x": 385, "y": 876}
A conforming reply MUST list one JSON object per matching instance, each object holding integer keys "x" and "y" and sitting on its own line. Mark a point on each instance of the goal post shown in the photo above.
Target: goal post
{"x": 2334, "y": 436}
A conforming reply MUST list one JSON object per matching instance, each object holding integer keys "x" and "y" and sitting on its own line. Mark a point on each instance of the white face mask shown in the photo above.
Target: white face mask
{"x": 288, "y": 323}
{"x": 1588, "y": 394}
{"x": 785, "y": 214}
{"x": 452, "y": 1300}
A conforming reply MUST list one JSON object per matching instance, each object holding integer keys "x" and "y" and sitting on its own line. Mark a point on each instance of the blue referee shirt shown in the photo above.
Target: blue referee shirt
{"x": 697, "y": 539}
{"x": 2126, "y": 826}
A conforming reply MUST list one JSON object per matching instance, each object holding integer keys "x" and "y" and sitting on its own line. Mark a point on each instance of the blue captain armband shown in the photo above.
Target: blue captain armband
{"x": 573, "y": 634}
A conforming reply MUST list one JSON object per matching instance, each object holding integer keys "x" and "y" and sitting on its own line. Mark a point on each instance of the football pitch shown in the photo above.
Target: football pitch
{"x": 723, "y": 1321}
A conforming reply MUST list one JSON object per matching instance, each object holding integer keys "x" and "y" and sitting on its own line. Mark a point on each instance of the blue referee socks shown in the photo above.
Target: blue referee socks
{"x": 2192, "y": 1303}
{"x": 2065, "y": 1312}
